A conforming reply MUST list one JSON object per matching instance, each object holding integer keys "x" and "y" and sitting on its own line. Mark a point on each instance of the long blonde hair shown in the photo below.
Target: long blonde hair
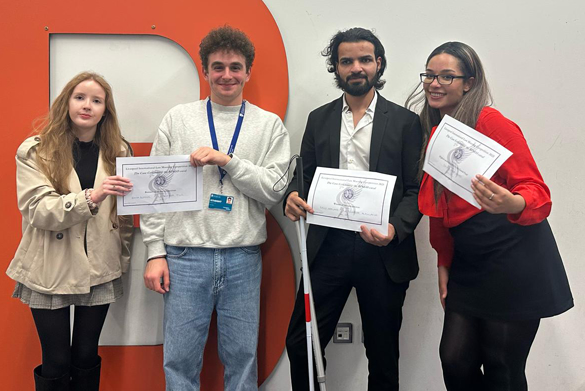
{"x": 55, "y": 150}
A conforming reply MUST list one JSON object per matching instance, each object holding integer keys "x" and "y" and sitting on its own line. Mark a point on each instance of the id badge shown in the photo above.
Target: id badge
{"x": 220, "y": 201}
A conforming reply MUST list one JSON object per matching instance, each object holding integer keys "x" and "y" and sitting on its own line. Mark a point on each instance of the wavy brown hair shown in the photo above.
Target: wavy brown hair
{"x": 470, "y": 106}
{"x": 473, "y": 101}
{"x": 55, "y": 150}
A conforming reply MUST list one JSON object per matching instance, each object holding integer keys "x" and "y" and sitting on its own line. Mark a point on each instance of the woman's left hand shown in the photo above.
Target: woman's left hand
{"x": 494, "y": 198}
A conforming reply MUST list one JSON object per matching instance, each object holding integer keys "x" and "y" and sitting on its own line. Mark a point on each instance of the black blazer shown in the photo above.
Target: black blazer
{"x": 395, "y": 149}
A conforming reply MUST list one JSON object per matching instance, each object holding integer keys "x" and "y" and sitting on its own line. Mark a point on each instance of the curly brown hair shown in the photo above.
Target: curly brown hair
{"x": 229, "y": 39}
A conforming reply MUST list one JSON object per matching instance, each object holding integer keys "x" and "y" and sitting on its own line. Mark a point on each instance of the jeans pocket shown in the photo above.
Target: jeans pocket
{"x": 175, "y": 251}
{"x": 250, "y": 249}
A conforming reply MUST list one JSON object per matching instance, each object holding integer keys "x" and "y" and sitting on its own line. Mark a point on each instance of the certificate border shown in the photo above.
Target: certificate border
{"x": 123, "y": 166}
{"x": 352, "y": 176}
{"x": 498, "y": 155}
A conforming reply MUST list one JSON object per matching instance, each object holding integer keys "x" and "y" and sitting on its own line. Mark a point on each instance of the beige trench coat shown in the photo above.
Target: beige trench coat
{"x": 51, "y": 256}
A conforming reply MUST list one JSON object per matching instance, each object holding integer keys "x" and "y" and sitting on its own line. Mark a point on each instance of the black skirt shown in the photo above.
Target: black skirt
{"x": 506, "y": 271}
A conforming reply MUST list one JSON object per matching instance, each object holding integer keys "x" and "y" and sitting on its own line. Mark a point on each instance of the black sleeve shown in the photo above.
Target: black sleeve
{"x": 406, "y": 216}
{"x": 309, "y": 162}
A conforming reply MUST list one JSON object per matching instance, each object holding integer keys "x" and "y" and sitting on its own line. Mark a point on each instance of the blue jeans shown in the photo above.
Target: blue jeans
{"x": 202, "y": 279}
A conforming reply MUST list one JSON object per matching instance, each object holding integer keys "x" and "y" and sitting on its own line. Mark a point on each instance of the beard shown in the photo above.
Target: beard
{"x": 356, "y": 89}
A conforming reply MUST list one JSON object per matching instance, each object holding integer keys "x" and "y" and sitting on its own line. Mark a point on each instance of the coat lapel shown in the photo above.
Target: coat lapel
{"x": 334, "y": 128}
{"x": 100, "y": 173}
{"x": 74, "y": 184}
{"x": 378, "y": 130}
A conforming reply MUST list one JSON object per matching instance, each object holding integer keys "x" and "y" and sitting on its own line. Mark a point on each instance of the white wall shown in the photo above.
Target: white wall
{"x": 533, "y": 54}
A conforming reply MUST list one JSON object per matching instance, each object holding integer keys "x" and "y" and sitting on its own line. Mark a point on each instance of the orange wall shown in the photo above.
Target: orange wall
{"x": 24, "y": 46}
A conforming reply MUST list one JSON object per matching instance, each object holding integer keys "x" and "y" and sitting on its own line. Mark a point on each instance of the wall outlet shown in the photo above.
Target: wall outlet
{"x": 343, "y": 333}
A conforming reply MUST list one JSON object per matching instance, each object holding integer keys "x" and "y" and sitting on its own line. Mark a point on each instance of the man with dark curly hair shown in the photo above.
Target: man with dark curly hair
{"x": 210, "y": 259}
{"x": 359, "y": 131}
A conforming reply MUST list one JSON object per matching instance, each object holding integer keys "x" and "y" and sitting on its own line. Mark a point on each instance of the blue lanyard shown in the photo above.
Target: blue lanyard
{"x": 232, "y": 147}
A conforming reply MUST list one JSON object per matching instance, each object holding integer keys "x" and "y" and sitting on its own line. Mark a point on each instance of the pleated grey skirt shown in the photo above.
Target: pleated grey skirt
{"x": 105, "y": 293}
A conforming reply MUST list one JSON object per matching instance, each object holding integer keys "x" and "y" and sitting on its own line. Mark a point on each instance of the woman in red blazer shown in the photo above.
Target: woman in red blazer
{"x": 500, "y": 271}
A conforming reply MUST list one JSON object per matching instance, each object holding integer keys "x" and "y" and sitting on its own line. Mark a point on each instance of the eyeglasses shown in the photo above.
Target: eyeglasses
{"x": 443, "y": 80}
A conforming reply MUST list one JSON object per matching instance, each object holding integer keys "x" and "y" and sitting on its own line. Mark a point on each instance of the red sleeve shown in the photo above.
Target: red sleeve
{"x": 522, "y": 177}
{"x": 519, "y": 173}
{"x": 442, "y": 241}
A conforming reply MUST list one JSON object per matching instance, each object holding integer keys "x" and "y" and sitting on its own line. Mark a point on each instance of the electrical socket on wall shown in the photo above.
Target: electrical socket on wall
{"x": 343, "y": 333}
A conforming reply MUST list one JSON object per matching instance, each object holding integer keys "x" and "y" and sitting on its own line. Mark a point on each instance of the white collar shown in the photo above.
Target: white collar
{"x": 371, "y": 108}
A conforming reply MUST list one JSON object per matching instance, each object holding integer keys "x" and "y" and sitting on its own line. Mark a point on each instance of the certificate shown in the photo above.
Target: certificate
{"x": 456, "y": 153}
{"x": 347, "y": 199}
{"x": 160, "y": 184}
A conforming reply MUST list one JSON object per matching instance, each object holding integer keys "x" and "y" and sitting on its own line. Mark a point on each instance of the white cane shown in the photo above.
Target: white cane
{"x": 312, "y": 329}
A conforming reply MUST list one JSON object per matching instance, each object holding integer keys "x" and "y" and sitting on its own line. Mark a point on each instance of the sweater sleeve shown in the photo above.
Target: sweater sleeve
{"x": 152, "y": 226}
{"x": 442, "y": 241}
{"x": 264, "y": 182}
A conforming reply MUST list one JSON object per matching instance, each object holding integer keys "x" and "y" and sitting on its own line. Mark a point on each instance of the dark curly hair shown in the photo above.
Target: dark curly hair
{"x": 226, "y": 38}
{"x": 355, "y": 34}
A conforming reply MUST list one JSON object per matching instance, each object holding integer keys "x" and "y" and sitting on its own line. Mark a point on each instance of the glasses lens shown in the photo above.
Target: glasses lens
{"x": 427, "y": 79}
{"x": 445, "y": 79}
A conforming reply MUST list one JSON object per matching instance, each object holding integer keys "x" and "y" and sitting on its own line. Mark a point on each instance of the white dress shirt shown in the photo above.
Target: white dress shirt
{"x": 354, "y": 146}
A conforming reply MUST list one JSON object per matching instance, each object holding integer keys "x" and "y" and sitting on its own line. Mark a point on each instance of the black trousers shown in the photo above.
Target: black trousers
{"x": 343, "y": 262}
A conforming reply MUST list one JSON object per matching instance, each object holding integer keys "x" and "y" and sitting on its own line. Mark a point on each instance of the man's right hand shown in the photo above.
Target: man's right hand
{"x": 156, "y": 269}
{"x": 296, "y": 207}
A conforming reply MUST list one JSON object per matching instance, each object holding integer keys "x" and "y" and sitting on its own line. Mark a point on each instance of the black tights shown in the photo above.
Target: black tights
{"x": 502, "y": 348}
{"x": 60, "y": 351}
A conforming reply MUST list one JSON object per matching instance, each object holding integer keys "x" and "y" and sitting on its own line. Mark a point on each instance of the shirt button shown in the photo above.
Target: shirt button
{"x": 67, "y": 205}
{"x": 115, "y": 226}
{"x": 59, "y": 236}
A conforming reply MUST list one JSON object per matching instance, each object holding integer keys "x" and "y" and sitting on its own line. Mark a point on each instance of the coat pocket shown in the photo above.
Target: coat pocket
{"x": 58, "y": 266}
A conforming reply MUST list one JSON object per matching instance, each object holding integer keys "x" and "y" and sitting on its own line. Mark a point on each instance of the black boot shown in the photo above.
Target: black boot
{"x": 46, "y": 384}
{"x": 86, "y": 379}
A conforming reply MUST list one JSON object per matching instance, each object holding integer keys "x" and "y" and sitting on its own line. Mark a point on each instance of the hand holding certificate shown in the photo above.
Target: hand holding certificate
{"x": 348, "y": 199}
{"x": 457, "y": 153}
{"x": 161, "y": 184}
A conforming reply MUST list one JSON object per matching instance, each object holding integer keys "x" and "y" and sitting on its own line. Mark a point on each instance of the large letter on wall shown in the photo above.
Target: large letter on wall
{"x": 24, "y": 46}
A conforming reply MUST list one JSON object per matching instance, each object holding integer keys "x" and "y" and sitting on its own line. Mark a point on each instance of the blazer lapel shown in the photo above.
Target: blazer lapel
{"x": 378, "y": 130}
{"x": 334, "y": 129}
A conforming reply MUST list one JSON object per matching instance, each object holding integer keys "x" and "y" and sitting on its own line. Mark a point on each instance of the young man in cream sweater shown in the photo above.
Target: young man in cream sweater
{"x": 210, "y": 259}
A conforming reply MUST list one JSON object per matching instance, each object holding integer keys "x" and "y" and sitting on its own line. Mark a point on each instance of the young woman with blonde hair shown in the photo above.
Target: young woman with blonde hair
{"x": 74, "y": 248}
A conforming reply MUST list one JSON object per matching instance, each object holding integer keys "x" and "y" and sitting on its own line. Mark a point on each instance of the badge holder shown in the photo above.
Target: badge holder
{"x": 221, "y": 201}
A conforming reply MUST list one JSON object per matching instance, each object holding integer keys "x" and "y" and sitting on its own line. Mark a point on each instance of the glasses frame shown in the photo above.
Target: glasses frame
{"x": 427, "y": 75}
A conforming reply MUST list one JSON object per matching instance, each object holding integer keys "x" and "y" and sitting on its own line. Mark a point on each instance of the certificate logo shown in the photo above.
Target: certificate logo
{"x": 159, "y": 185}
{"x": 345, "y": 200}
{"x": 455, "y": 157}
